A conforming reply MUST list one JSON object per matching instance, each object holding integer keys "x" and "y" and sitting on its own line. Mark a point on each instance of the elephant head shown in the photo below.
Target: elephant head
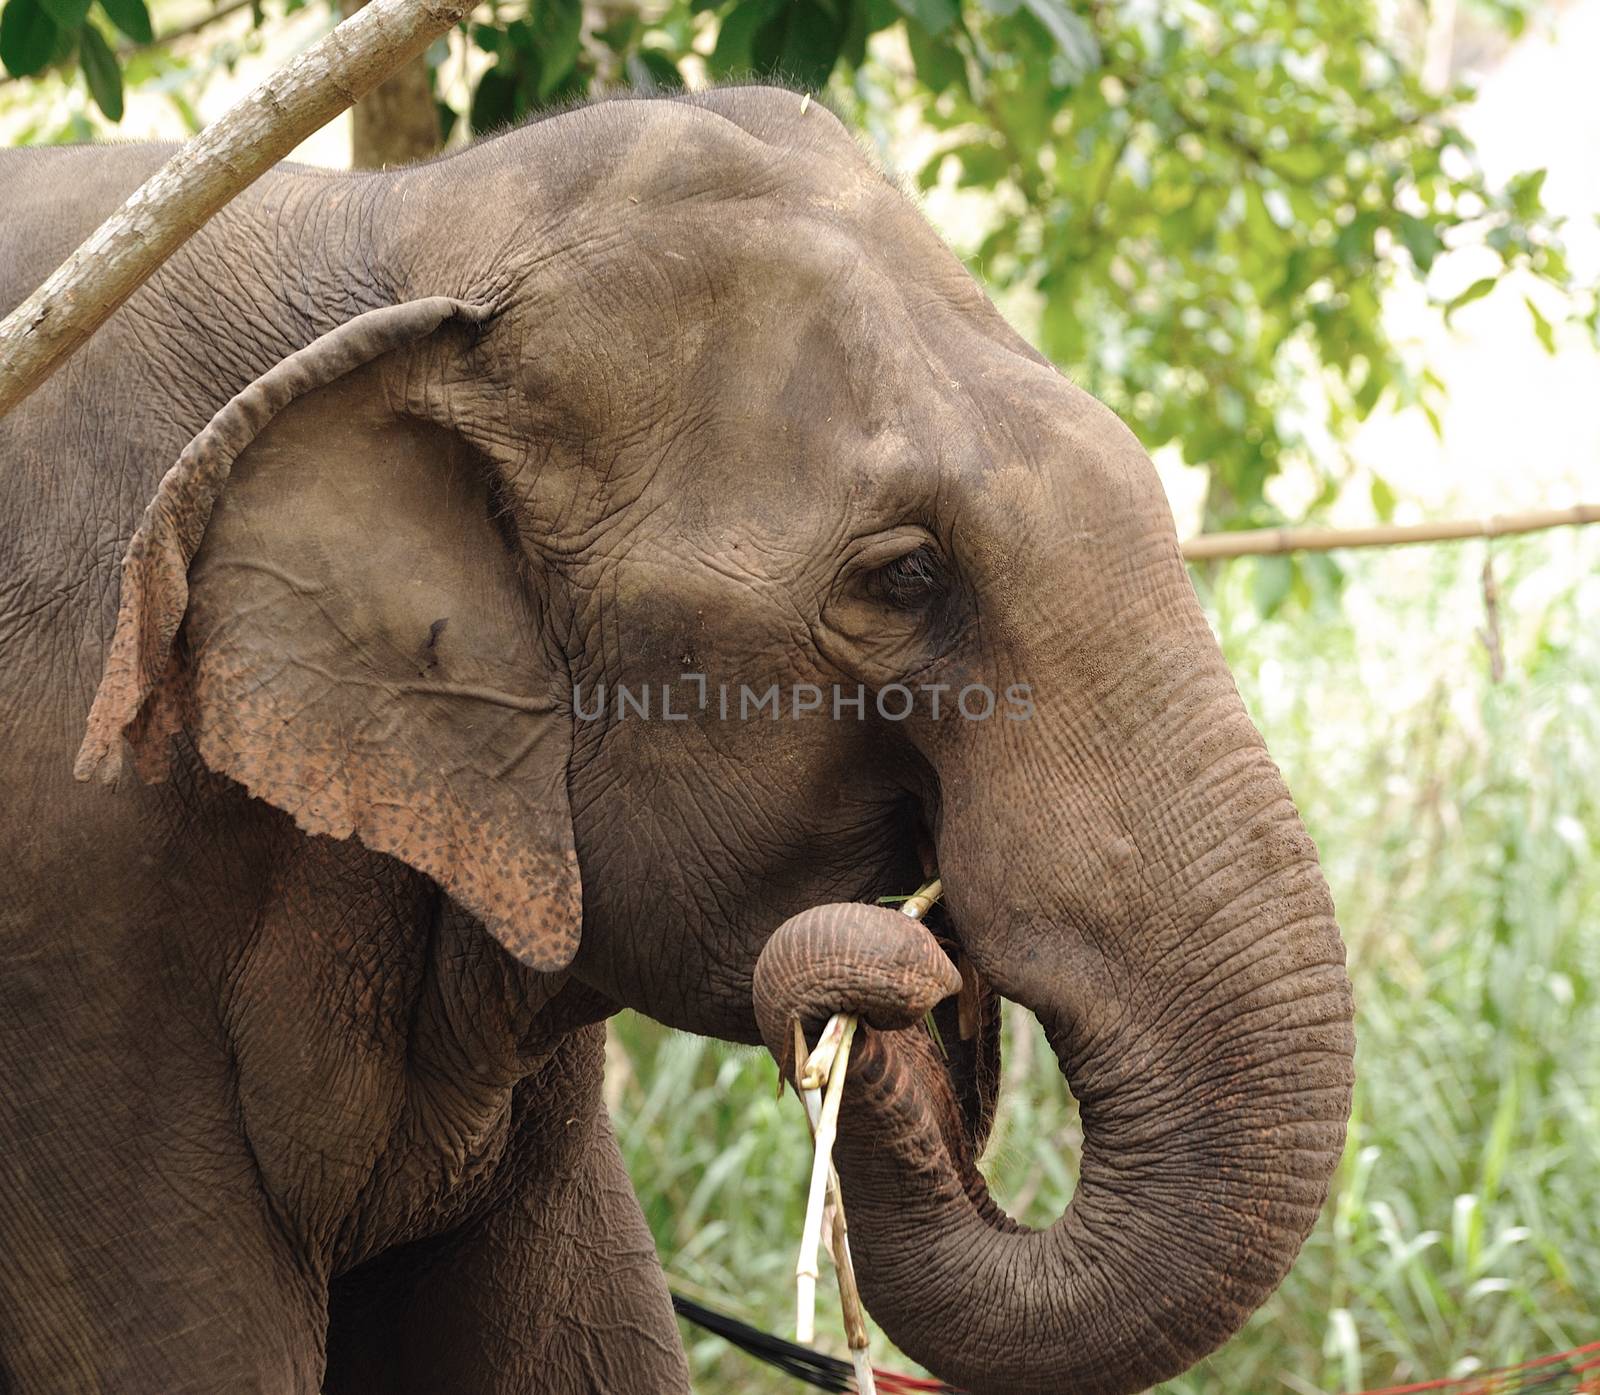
{"x": 678, "y": 540}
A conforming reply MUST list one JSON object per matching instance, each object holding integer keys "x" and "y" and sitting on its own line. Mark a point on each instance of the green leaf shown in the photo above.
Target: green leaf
{"x": 1071, "y": 32}
{"x": 101, "y": 72}
{"x": 495, "y": 102}
{"x": 573, "y": 86}
{"x": 621, "y": 34}
{"x": 1420, "y": 240}
{"x": 1273, "y": 581}
{"x": 519, "y": 36}
{"x": 1319, "y": 576}
{"x": 866, "y": 18}
{"x": 1304, "y": 161}
{"x": 1354, "y": 245}
{"x": 736, "y": 35}
{"x": 983, "y": 164}
{"x": 1551, "y": 264}
{"x": 1541, "y": 326}
{"x": 938, "y": 62}
{"x": 1367, "y": 395}
{"x": 1383, "y": 498}
{"x": 130, "y": 16}
{"x": 488, "y": 38}
{"x": 935, "y": 16}
{"x": 27, "y": 37}
{"x": 800, "y": 43}
{"x": 68, "y": 14}
{"x": 1525, "y": 190}
{"x": 557, "y": 29}
{"x": 1476, "y": 291}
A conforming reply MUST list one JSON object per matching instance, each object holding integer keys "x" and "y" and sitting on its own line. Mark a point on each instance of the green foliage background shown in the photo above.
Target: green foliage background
{"x": 1203, "y": 205}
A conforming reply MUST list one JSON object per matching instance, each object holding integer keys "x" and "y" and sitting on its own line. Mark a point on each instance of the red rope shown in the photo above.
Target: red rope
{"x": 893, "y": 1383}
{"x": 1507, "y": 1380}
{"x": 1564, "y": 1373}
{"x": 1528, "y": 1376}
{"x": 1544, "y": 1375}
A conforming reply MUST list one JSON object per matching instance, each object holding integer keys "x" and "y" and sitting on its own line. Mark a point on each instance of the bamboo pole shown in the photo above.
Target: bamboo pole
{"x": 1260, "y": 542}
{"x": 220, "y": 162}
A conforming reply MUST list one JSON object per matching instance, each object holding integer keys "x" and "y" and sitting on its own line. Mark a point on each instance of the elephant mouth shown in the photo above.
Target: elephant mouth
{"x": 966, "y": 1028}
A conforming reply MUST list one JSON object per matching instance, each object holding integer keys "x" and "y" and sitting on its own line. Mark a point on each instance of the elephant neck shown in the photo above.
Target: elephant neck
{"x": 289, "y": 260}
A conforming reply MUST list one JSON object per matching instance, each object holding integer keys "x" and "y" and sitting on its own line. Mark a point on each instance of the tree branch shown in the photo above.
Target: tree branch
{"x": 1260, "y": 542}
{"x": 214, "y": 167}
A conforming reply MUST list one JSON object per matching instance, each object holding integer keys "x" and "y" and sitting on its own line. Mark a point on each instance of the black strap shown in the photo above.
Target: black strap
{"x": 812, "y": 1367}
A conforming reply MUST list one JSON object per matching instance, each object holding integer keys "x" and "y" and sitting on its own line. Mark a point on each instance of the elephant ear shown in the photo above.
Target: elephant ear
{"x": 350, "y": 629}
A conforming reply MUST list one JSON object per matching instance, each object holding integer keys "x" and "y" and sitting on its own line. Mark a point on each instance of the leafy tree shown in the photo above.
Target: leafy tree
{"x": 1210, "y": 205}
{"x": 1202, "y": 206}
{"x": 37, "y": 34}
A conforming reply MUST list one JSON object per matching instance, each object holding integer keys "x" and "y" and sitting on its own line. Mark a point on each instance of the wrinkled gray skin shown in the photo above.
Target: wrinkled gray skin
{"x": 299, "y": 1035}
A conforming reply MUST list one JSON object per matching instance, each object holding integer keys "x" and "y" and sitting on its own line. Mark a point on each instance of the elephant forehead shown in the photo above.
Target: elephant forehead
{"x": 771, "y": 145}
{"x": 619, "y": 165}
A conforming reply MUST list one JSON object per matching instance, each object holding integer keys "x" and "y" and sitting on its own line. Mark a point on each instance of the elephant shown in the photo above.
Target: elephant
{"x": 355, "y": 574}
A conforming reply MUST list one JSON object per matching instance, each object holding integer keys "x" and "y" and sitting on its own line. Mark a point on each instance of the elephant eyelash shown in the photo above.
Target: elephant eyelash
{"x": 911, "y": 580}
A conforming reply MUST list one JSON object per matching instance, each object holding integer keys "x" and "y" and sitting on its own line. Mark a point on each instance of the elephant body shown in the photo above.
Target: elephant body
{"x": 271, "y": 1100}
{"x": 306, "y": 556}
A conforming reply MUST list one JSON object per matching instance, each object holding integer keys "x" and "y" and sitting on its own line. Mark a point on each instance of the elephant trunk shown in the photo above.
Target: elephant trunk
{"x": 1214, "y": 1081}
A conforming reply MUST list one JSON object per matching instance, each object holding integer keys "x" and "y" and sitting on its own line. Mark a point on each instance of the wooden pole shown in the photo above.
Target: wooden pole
{"x": 211, "y": 169}
{"x": 1262, "y": 542}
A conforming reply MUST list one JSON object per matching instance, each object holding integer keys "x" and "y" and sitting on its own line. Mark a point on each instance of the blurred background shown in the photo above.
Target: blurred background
{"x": 1335, "y": 261}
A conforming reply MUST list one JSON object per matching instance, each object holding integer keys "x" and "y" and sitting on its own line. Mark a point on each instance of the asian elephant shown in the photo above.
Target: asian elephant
{"x": 402, "y": 559}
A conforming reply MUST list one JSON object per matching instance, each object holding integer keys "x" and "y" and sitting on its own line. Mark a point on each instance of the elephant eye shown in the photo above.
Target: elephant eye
{"x": 910, "y": 580}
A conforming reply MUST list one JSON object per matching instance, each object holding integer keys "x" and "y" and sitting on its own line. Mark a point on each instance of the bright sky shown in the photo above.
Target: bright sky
{"x": 1521, "y": 428}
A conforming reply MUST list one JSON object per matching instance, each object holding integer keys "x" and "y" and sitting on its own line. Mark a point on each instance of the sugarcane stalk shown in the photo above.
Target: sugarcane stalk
{"x": 824, "y": 1068}
{"x": 827, "y": 1131}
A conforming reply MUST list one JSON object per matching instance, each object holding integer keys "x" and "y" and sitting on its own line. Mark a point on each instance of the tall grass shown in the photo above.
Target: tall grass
{"x": 1459, "y": 821}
